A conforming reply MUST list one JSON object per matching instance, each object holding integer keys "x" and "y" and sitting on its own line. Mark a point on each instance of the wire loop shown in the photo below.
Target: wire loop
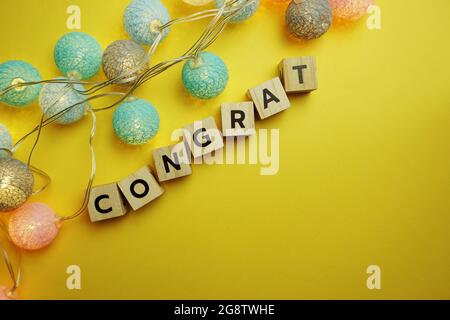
{"x": 220, "y": 17}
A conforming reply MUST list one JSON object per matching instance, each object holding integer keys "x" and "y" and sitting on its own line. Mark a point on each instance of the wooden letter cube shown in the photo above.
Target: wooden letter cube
{"x": 203, "y": 137}
{"x": 269, "y": 98}
{"x": 172, "y": 162}
{"x": 106, "y": 202}
{"x": 140, "y": 188}
{"x": 299, "y": 74}
{"x": 238, "y": 119}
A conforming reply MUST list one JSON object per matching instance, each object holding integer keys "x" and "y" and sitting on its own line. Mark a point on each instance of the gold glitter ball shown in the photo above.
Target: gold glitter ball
{"x": 16, "y": 183}
{"x": 125, "y": 59}
{"x": 308, "y": 19}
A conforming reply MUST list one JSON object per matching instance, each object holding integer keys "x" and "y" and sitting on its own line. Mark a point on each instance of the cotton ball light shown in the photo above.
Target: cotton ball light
{"x": 349, "y": 10}
{"x": 5, "y": 141}
{"x": 78, "y": 55}
{"x": 16, "y": 183}
{"x": 244, "y": 13}
{"x": 33, "y": 226}
{"x": 308, "y": 19}
{"x": 206, "y": 76}
{"x": 143, "y": 19}
{"x": 136, "y": 121}
{"x": 57, "y": 97}
{"x": 15, "y": 72}
{"x": 124, "y": 58}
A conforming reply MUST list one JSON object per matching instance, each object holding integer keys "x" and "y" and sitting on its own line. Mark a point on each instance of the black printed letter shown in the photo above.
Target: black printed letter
{"x": 269, "y": 97}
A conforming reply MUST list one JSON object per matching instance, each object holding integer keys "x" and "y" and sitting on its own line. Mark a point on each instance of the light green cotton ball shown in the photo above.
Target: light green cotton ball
{"x": 16, "y": 72}
{"x": 78, "y": 55}
{"x": 206, "y": 77}
{"x": 142, "y": 18}
{"x": 136, "y": 122}
{"x": 57, "y": 97}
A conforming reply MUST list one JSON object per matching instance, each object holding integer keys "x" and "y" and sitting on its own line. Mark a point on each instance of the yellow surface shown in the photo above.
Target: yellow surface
{"x": 364, "y": 176}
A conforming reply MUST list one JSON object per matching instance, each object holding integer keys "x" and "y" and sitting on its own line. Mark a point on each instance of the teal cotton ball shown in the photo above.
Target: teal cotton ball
{"x": 136, "y": 122}
{"x": 206, "y": 77}
{"x": 78, "y": 55}
{"x": 16, "y": 72}
{"x": 143, "y": 18}
{"x": 243, "y": 14}
{"x": 5, "y": 141}
{"x": 56, "y": 97}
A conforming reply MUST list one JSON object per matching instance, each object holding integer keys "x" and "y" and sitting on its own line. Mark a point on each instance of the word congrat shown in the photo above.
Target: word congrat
{"x": 201, "y": 138}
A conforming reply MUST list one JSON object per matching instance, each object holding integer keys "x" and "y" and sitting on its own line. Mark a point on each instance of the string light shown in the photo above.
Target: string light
{"x": 57, "y": 97}
{"x": 205, "y": 77}
{"x": 14, "y": 77}
{"x": 136, "y": 121}
{"x": 308, "y": 19}
{"x": 78, "y": 55}
{"x": 61, "y": 99}
{"x": 143, "y": 20}
{"x": 16, "y": 183}
{"x": 34, "y": 226}
{"x": 124, "y": 57}
{"x": 9, "y": 293}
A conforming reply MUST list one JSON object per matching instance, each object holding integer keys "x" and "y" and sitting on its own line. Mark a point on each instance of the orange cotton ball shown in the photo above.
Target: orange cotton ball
{"x": 349, "y": 10}
{"x": 33, "y": 226}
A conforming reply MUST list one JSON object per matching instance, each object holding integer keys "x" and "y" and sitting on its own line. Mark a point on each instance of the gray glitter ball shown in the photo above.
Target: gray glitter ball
{"x": 16, "y": 183}
{"x": 308, "y": 19}
{"x": 124, "y": 58}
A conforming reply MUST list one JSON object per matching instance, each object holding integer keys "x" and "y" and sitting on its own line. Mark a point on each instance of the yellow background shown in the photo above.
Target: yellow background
{"x": 364, "y": 176}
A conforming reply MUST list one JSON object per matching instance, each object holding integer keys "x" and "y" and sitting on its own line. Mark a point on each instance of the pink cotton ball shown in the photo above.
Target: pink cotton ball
{"x": 33, "y": 226}
{"x": 4, "y": 295}
{"x": 350, "y": 10}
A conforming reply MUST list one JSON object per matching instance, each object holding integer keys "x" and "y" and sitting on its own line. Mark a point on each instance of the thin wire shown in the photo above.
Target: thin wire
{"x": 47, "y": 177}
{"x": 15, "y": 276}
{"x": 220, "y": 18}
{"x": 93, "y": 169}
{"x": 66, "y": 90}
{"x": 56, "y": 116}
{"x": 150, "y": 73}
{"x": 216, "y": 26}
{"x": 33, "y": 83}
{"x": 231, "y": 8}
{"x": 36, "y": 171}
{"x": 212, "y": 32}
{"x": 7, "y": 151}
{"x": 43, "y": 175}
